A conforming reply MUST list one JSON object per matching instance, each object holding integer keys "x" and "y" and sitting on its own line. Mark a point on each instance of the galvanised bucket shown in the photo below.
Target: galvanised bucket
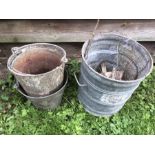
{"x": 48, "y": 102}
{"x": 103, "y": 96}
{"x": 39, "y": 67}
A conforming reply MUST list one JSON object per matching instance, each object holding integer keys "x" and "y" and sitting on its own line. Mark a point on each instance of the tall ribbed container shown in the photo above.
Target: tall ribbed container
{"x": 103, "y": 96}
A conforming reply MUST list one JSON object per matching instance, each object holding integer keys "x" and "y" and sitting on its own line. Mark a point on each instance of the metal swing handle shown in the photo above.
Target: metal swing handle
{"x": 90, "y": 40}
{"x": 14, "y": 50}
{"x": 81, "y": 85}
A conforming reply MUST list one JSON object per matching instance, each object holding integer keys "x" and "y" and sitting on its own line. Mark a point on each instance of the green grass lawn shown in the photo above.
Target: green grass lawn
{"x": 19, "y": 116}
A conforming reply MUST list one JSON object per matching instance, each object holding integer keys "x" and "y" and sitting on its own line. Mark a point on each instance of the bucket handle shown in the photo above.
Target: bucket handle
{"x": 14, "y": 50}
{"x": 16, "y": 85}
{"x": 81, "y": 85}
{"x": 65, "y": 60}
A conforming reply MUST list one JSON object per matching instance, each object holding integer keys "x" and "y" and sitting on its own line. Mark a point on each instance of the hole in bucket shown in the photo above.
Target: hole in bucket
{"x": 37, "y": 61}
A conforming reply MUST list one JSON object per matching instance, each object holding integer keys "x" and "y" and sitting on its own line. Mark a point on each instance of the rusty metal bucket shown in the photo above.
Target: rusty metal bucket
{"x": 39, "y": 67}
{"x": 48, "y": 102}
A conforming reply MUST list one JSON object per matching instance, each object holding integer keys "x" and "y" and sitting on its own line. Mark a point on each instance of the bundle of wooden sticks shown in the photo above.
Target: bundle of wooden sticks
{"x": 114, "y": 74}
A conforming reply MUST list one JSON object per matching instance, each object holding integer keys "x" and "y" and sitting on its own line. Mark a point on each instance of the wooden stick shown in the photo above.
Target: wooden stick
{"x": 117, "y": 75}
{"x": 103, "y": 68}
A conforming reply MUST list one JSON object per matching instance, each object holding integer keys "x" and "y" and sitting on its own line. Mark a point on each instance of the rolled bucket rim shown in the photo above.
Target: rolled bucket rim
{"x": 101, "y": 35}
{"x": 46, "y": 96}
{"x": 9, "y": 62}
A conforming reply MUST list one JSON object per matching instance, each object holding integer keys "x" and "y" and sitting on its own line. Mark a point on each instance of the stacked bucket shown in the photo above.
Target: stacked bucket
{"x": 40, "y": 73}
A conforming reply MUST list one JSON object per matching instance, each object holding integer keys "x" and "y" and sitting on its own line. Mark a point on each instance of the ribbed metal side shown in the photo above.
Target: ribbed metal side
{"x": 100, "y": 97}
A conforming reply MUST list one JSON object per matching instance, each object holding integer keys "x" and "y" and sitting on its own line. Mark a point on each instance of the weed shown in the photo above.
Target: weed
{"x": 18, "y": 116}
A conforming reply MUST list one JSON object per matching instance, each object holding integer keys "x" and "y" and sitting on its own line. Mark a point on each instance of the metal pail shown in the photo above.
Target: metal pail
{"x": 39, "y": 67}
{"x": 104, "y": 96}
{"x": 46, "y": 102}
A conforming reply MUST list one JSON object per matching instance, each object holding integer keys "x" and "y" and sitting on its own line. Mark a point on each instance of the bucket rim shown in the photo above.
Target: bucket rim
{"x": 43, "y": 97}
{"x": 9, "y": 62}
{"x": 102, "y": 35}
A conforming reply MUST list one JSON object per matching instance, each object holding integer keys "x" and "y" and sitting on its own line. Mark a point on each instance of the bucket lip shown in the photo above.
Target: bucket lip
{"x": 101, "y": 35}
{"x": 9, "y": 62}
{"x": 43, "y": 97}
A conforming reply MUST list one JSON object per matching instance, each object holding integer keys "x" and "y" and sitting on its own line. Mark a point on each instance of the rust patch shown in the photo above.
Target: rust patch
{"x": 37, "y": 61}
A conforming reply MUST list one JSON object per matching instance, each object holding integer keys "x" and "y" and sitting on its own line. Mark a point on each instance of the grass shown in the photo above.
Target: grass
{"x": 18, "y": 116}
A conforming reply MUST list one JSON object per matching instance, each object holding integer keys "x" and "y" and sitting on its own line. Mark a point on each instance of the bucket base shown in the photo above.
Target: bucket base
{"x": 46, "y": 106}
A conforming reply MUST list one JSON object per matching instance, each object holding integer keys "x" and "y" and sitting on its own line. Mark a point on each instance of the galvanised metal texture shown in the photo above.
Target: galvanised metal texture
{"x": 103, "y": 96}
{"x": 47, "y": 102}
{"x": 38, "y": 84}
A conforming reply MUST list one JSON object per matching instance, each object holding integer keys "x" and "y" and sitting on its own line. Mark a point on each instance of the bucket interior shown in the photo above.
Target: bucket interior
{"x": 121, "y": 53}
{"x": 36, "y": 61}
